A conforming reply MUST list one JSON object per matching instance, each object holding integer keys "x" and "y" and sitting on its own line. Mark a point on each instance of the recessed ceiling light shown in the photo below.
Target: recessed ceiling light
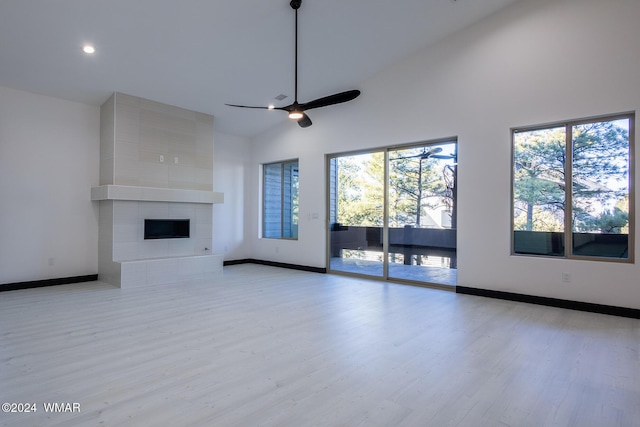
{"x": 88, "y": 49}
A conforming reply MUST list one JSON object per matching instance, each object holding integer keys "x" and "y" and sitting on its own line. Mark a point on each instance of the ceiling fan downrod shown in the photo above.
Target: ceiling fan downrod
{"x": 296, "y": 114}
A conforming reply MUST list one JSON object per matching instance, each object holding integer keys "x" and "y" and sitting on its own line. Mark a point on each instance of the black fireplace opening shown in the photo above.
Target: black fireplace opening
{"x": 166, "y": 228}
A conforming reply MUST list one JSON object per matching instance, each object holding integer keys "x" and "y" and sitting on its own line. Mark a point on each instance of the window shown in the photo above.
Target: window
{"x": 280, "y": 200}
{"x": 572, "y": 189}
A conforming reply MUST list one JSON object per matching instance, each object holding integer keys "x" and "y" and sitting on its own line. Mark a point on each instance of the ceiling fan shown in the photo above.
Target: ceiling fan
{"x": 297, "y": 110}
{"x": 431, "y": 154}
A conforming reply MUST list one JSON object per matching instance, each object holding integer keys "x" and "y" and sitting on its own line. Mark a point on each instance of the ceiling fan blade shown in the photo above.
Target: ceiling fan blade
{"x": 250, "y": 106}
{"x": 305, "y": 121}
{"x": 331, "y": 100}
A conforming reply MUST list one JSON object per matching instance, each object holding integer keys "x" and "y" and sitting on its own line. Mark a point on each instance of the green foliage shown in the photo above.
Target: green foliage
{"x": 415, "y": 186}
{"x": 599, "y": 175}
{"x": 539, "y": 179}
{"x": 609, "y": 222}
{"x": 360, "y": 190}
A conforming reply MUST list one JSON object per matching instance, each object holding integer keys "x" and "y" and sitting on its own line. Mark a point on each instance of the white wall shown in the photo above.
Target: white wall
{"x": 49, "y": 160}
{"x": 231, "y": 169}
{"x": 532, "y": 63}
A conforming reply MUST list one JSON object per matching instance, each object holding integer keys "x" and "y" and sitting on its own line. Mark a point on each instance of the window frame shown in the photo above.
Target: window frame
{"x": 568, "y": 191}
{"x": 295, "y": 163}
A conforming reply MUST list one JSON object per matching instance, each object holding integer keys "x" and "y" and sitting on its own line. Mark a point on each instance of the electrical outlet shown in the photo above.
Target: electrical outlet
{"x": 566, "y": 277}
{"x": 161, "y": 158}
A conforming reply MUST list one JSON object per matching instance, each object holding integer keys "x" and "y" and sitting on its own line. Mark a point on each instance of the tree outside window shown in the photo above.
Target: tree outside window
{"x": 587, "y": 214}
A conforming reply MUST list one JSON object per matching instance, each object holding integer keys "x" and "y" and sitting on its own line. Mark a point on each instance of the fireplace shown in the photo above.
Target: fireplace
{"x": 155, "y": 216}
{"x": 166, "y": 229}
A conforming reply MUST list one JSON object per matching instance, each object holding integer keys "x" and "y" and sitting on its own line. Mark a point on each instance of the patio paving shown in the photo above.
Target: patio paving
{"x": 418, "y": 273}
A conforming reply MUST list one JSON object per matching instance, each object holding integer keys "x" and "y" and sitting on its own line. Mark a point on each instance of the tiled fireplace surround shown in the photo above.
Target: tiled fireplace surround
{"x": 156, "y": 161}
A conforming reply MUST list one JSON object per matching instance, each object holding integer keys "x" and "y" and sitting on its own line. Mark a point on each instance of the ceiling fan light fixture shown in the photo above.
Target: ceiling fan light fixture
{"x": 295, "y": 115}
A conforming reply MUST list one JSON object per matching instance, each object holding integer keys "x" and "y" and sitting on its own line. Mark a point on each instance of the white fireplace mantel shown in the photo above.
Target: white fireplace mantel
{"x": 153, "y": 194}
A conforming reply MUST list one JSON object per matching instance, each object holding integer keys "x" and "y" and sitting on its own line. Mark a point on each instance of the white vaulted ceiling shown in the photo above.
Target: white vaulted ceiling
{"x": 201, "y": 54}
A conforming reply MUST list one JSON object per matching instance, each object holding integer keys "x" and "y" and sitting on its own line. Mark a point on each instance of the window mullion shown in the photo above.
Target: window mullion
{"x": 568, "y": 196}
{"x": 282, "y": 196}
{"x": 385, "y": 218}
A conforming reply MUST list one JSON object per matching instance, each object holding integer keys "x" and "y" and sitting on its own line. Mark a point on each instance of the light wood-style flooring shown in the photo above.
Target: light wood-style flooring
{"x": 264, "y": 346}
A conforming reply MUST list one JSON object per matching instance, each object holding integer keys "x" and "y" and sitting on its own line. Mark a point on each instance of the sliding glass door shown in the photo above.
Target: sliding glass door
{"x": 423, "y": 213}
{"x": 356, "y": 212}
{"x": 393, "y": 213}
